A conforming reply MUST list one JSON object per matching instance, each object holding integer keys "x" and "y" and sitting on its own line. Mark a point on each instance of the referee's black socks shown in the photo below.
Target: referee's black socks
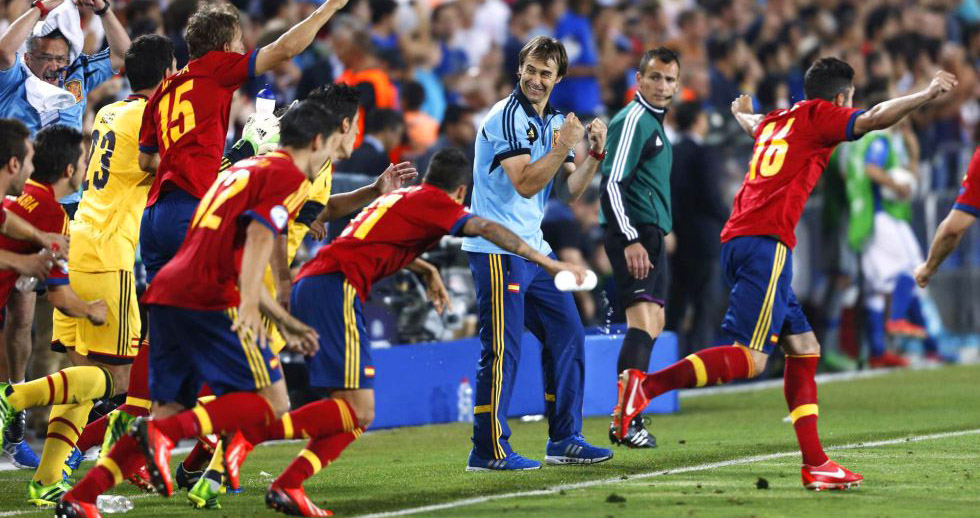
{"x": 635, "y": 353}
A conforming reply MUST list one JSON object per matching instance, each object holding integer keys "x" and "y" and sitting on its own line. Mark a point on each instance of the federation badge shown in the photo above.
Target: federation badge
{"x": 280, "y": 216}
{"x": 554, "y": 135}
{"x": 532, "y": 135}
{"x": 74, "y": 87}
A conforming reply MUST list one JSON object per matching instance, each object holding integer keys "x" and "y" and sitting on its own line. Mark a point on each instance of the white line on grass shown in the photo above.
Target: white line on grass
{"x": 686, "y": 469}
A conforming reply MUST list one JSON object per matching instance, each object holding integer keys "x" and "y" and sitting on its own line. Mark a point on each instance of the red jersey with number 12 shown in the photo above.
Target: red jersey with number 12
{"x": 791, "y": 151}
{"x": 186, "y": 121}
{"x": 388, "y": 235}
{"x": 204, "y": 273}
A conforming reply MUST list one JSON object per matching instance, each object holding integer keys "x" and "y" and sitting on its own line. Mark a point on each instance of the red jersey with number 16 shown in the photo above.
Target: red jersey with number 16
{"x": 186, "y": 121}
{"x": 792, "y": 148}
{"x": 204, "y": 273}
{"x": 388, "y": 235}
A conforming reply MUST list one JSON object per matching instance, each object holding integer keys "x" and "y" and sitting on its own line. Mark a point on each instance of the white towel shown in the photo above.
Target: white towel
{"x": 46, "y": 98}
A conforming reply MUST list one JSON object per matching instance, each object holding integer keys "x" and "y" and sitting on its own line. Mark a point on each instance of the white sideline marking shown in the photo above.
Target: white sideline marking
{"x": 687, "y": 469}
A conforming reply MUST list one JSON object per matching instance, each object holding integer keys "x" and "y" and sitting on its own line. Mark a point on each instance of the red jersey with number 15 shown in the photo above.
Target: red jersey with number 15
{"x": 791, "y": 151}
{"x": 388, "y": 235}
{"x": 186, "y": 121}
{"x": 204, "y": 273}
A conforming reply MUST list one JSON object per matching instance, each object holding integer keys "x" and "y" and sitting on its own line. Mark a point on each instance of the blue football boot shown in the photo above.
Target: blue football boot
{"x": 574, "y": 450}
{"x": 512, "y": 462}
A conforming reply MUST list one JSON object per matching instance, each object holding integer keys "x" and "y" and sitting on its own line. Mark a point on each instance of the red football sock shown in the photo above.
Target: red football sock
{"x": 319, "y": 453}
{"x": 133, "y": 410}
{"x": 317, "y": 419}
{"x": 800, "y": 389}
{"x": 199, "y": 456}
{"x": 139, "y": 375}
{"x": 93, "y": 434}
{"x": 716, "y": 365}
{"x": 226, "y": 413}
{"x": 125, "y": 458}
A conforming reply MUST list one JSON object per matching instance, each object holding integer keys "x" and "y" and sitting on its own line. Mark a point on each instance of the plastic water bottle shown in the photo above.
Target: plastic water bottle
{"x": 265, "y": 101}
{"x": 27, "y": 284}
{"x": 111, "y": 504}
{"x": 464, "y": 396}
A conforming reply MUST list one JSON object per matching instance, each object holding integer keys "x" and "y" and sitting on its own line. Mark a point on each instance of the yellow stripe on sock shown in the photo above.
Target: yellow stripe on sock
{"x": 287, "y": 426}
{"x": 312, "y": 459}
{"x": 482, "y": 409}
{"x": 345, "y": 415}
{"x": 803, "y": 411}
{"x": 802, "y": 355}
{"x": 135, "y": 401}
{"x": 109, "y": 464}
{"x": 700, "y": 373}
{"x": 203, "y": 419}
{"x": 549, "y": 397}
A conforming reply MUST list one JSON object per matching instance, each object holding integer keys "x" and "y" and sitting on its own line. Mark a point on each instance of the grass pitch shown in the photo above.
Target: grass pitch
{"x": 394, "y": 470}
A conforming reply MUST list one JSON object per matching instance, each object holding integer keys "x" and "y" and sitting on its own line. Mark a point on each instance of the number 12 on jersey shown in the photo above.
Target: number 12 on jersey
{"x": 770, "y": 150}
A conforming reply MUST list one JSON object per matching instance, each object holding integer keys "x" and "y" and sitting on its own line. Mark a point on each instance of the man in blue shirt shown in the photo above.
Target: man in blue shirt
{"x": 521, "y": 146}
{"x": 49, "y": 58}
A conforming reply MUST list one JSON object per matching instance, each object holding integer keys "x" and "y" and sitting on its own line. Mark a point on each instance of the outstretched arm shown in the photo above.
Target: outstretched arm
{"x": 948, "y": 236}
{"x": 888, "y": 113}
{"x": 115, "y": 34}
{"x": 579, "y": 178}
{"x": 19, "y": 228}
{"x": 296, "y": 39}
{"x": 511, "y": 242}
{"x": 392, "y": 178}
{"x": 745, "y": 115}
{"x": 18, "y": 32}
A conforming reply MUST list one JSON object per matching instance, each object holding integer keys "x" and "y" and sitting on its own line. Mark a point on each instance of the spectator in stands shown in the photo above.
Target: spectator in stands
{"x": 421, "y": 129}
{"x": 724, "y": 84}
{"x": 578, "y": 91}
{"x": 458, "y": 130}
{"x": 385, "y": 129}
{"x": 690, "y": 43}
{"x": 699, "y": 214}
{"x": 525, "y": 17}
{"x": 362, "y": 69}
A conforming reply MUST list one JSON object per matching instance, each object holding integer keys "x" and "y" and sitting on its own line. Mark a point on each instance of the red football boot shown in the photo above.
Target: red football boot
{"x": 70, "y": 508}
{"x": 631, "y": 401}
{"x": 292, "y": 501}
{"x": 830, "y": 475}
{"x": 236, "y": 451}
{"x": 886, "y": 360}
{"x": 141, "y": 479}
{"x": 156, "y": 448}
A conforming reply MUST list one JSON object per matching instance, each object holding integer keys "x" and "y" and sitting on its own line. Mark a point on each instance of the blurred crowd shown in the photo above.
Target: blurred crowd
{"x": 429, "y": 69}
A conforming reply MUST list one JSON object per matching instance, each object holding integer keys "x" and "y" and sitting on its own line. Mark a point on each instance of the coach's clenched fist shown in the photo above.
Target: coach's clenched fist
{"x": 571, "y": 131}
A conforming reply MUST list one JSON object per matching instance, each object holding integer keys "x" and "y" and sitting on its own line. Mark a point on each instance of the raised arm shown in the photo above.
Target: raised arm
{"x": 296, "y": 39}
{"x": 115, "y": 34}
{"x": 511, "y": 242}
{"x": 18, "y": 32}
{"x": 346, "y": 203}
{"x": 580, "y": 177}
{"x": 745, "y": 115}
{"x": 888, "y": 113}
{"x": 528, "y": 177}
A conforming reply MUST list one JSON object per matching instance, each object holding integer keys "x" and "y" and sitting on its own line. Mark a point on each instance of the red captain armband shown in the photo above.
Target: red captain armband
{"x": 597, "y": 156}
{"x": 40, "y": 7}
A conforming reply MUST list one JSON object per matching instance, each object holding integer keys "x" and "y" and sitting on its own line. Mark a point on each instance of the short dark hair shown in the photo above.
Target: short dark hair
{"x": 56, "y": 147}
{"x": 381, "y": 9}
{"x": 448, "y": 169}
{"x": 302, "y": 123}
{"x": 269, "y": 9}
{"x": 413, "y": 95}
{"x": 545, "y": 49}
{"x": 341, "y": 100}
{"x": 454, "y": 113}
{"x": 147, "y": 61}
{"x": 522, "y": 5}
{"x": 211, "y": 28}
{"x": 53, "y": 35}
{"x": 662, "y": 54}
{"x": 13, "y": 136}
{"x": 382, "y": 119}
{"x": 826, "y": 78}
{"x": 686, "y": 114}
{"x": 720, "y": 48}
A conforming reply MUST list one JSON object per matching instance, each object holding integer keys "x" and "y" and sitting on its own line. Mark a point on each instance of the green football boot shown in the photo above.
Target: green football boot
{"x": 119, "y": 424}
{"x": 204, "y": 494}
{"x": 46, "y": 496}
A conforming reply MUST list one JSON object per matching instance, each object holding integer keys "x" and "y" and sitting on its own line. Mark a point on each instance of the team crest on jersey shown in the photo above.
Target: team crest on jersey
{"x": 280, "y": 216}
{"x": 74, "y": 87}
{"x": 554, "y": 135}
{"x": 532, "y": 135}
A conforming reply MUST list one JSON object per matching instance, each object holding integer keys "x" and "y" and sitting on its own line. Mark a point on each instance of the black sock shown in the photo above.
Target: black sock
{"x": 635, "y": 353}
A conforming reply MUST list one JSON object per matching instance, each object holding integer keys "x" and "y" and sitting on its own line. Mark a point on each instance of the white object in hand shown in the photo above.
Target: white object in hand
{"x": 565, "y": 281}
{"x": 903, "y": 177}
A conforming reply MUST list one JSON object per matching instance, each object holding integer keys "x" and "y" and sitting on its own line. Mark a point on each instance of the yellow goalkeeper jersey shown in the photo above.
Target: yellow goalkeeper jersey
{"x": 106, "y": 228}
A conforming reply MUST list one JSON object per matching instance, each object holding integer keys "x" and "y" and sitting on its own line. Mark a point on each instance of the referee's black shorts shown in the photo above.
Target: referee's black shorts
{"x": 629, "y": 289}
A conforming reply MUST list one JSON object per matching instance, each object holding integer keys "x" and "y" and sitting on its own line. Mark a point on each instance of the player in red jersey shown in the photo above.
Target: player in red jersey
{"x": 207, "y": 309}
{"x": 59, "y": 167}
{"x": 186, "y": 121}
{"x": 792, "y": 147}
{"x": 965, "y": 211}
{"x": 388, "y": 235}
